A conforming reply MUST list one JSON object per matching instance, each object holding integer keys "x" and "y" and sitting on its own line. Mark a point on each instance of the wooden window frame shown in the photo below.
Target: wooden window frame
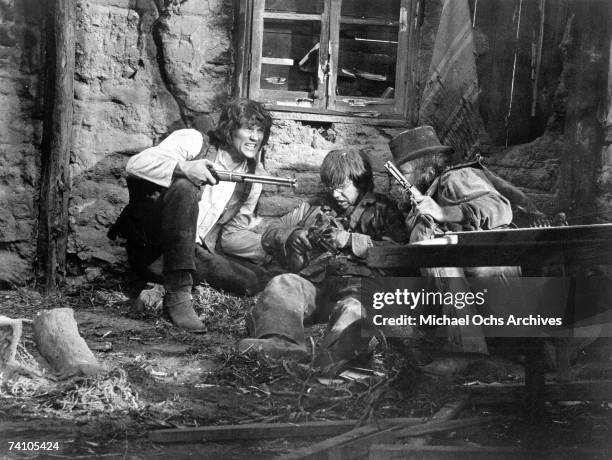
{"x": 327, "y": 107}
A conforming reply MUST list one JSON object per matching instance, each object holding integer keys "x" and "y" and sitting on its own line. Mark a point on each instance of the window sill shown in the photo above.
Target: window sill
{"x": 309, "y": 114}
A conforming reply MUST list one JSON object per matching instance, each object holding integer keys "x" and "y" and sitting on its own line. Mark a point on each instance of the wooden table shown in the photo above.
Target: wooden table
{"x": 527, "y": 247}
{"x": 531, "y": 248}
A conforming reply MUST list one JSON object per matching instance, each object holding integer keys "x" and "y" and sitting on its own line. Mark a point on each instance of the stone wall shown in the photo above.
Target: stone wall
{"x": 147, "y": 67}
{"x": 143, "y": 69}
{"x": 20, "y": 124}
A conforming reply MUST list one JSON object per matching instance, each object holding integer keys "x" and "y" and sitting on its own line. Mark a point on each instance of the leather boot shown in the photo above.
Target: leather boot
{"x": 179, "y": 303}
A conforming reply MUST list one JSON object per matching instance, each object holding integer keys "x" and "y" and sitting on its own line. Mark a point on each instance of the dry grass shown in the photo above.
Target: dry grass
{"x": 268, "y": 391}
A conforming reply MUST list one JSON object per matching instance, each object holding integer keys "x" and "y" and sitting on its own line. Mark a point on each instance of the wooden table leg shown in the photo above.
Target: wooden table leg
{"x": 535, "y": 372}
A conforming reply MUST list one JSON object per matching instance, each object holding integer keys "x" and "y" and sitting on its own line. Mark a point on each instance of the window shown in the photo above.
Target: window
{"x": 347, "y": 58}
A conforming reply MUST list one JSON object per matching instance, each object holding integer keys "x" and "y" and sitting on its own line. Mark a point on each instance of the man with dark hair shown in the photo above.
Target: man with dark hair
{"x": 179, "y": 217}
{"x": 324, "y": 246}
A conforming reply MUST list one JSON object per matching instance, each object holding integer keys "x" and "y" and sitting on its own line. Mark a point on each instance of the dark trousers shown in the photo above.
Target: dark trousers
{"x": 168, "y": 221}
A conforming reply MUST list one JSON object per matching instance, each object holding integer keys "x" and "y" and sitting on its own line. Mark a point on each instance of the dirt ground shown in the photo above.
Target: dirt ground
{"x": 160, "y": 377}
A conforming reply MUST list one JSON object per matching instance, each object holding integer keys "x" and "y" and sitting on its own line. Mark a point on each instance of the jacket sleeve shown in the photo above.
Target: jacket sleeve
{"x": 156, "y": 164}
{"x": 383, "y": 227}
{"x": 487, "y": 212}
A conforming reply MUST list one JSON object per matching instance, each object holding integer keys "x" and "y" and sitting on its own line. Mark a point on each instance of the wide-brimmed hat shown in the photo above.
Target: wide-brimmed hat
{"x": 414, "y": 143}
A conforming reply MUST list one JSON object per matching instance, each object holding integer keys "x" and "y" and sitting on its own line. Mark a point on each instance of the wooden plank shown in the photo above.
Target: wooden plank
{"x": 361, "y": 439}
{"x": 291, "y": 16}
{"x": 56, "y": 140}
{"x": 254, "y": 66}
{"x": 580, "y": 390}
{"x": 523, "y": 240}
{"x": 242, "y": 45}
{"x": 438, "y": 427}
{"x": 334, "y": 46}
{"x": 264, "y": 430}
{"x": 293, "y": 113}
{"x": 528, "y": 254}
{"x": 368, "y": 22}
{"x": 516, "y": 235}
{"x": 277, "y": 61}
{"x": 390, "y": 452}
{"x": 355, "y": 443}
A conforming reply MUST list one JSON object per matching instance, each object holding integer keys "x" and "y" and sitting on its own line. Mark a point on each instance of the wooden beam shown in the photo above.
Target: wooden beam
{"x": 355, "y": 443}
{"x": 533, "y": 247}
{"x": 264, "y": 430}
{"x": 386, "y": 452}
{"x": 581, "y": 390}
{"x": 242, "y": 46}
{"x": 447, "y": 425}
{"x": 349, "y": 445}
{"x": 56, "y": 140}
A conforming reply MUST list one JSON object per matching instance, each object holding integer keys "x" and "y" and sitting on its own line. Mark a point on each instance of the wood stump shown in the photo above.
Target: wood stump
{"x": 10, "y": 333}
{"x": 59, "y": 342}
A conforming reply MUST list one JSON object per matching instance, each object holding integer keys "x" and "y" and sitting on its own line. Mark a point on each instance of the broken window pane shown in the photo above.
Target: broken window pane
{"x": 290, "y": 58}
{"x": 367, "y": 53}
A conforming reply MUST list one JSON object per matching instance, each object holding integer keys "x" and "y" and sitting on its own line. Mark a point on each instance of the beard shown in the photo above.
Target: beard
{"x": 425, "y": 180}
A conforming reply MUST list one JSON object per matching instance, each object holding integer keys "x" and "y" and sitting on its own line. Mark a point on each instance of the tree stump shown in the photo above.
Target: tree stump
{"x": 10, "y": 333}
{"x": 59, "y": 342}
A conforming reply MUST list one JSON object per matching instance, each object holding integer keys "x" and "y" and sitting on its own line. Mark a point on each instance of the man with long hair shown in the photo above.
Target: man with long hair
{"x": 182, "y": 225}
{"x": 324, "y": 245}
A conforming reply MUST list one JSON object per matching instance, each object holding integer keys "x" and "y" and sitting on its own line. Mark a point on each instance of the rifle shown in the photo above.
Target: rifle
{"x": 316, "y": 231}
{"x": 230, "y": 176}
{"x": 412, "y": 191}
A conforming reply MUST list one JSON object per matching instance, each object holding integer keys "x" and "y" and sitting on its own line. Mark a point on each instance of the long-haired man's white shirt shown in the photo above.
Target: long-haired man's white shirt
{"x": 157, "y": 164}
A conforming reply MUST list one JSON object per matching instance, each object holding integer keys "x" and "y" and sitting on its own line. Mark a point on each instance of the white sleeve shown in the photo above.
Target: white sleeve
{"x": 156, "y": 164}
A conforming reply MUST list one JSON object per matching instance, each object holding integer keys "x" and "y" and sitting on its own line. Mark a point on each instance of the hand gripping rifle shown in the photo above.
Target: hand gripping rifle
{"x": 413, "y": 193}
{"x": 231, "y": 176}
{"x": 410, "y": 189}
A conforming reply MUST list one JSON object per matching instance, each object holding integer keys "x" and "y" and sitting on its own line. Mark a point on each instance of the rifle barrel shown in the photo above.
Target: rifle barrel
{"x": 399, "y": 177}
{"x": 231, "y": 176}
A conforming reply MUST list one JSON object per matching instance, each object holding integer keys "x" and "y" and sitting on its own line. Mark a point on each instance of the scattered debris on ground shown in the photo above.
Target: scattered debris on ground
{"x": 159, "y": 377}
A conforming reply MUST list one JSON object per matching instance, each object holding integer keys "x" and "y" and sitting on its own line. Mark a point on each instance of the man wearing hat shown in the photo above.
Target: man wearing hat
{"x": 455, "y": 198}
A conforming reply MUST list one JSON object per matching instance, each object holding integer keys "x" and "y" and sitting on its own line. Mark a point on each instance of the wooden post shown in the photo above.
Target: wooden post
{"x": 56, "y": 140}
{"x": 586, "y": 82}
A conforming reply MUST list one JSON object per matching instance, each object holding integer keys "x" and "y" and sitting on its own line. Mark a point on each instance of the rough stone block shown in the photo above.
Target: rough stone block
{"x": 276, "y": 205}
{"x": 308, "y": 183}
{"x": 296, "y": 157}
{"x": 606, "y": 156}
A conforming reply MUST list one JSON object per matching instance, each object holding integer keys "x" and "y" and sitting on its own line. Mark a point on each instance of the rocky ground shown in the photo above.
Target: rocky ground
{"x": 160, "y": 377}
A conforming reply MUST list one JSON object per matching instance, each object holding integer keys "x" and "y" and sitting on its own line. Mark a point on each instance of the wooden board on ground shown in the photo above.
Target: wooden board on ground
{"x": 355, "y": 443}
{"x": 265, "y": 430}
{"x": 385, "y": 452}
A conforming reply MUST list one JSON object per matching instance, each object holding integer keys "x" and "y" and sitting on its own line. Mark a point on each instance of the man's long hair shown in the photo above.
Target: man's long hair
{"x": 347, "y": 163}
{"x": 239, "y": 113}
